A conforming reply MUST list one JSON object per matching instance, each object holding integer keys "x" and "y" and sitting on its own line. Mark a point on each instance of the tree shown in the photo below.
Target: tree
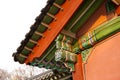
{"x": 4, "y": 75}
{"x": 21, "y": 73}
{"x": 25, "y": 72}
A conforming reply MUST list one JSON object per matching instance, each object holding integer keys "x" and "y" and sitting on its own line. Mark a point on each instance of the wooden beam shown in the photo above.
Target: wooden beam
{"x": 69, "y": 7}
{"x": 69, "y": 33}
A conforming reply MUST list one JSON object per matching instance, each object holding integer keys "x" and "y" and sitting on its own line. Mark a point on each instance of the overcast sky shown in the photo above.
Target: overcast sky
{"x": 16, "y": 17}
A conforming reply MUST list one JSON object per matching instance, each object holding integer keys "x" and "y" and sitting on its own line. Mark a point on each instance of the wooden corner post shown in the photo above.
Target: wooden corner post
{"x": 78, "y": 73}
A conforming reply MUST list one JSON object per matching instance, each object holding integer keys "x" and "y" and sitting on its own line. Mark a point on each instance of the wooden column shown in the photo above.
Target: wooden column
{"x": 78, "y": 73}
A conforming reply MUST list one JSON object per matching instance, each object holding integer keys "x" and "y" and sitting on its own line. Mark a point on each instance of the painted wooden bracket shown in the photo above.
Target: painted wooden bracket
{"x": 67, "y": 57}
{"x": 85, "y": 55}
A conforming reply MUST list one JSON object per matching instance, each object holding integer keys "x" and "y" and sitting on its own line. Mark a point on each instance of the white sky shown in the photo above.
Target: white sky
{"x": 16, "y": 17}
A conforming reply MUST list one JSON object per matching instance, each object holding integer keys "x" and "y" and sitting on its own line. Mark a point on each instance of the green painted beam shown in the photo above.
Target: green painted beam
{"x": 82, "y": 14}
{"x": 100, "y": 33}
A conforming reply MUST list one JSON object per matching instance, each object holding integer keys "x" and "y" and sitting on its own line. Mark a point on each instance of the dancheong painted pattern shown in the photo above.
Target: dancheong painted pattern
{"x": 65, "y": 34}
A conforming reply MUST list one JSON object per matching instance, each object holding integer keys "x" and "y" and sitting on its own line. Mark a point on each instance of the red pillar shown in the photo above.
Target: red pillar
{"x": 78, "y": 73}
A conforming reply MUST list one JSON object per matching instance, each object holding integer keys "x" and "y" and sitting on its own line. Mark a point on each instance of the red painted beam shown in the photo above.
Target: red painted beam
{"x": 56, "y": 26}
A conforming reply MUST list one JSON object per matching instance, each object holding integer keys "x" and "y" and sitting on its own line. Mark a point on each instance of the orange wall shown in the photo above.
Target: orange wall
{"x": 104, "y": 61}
